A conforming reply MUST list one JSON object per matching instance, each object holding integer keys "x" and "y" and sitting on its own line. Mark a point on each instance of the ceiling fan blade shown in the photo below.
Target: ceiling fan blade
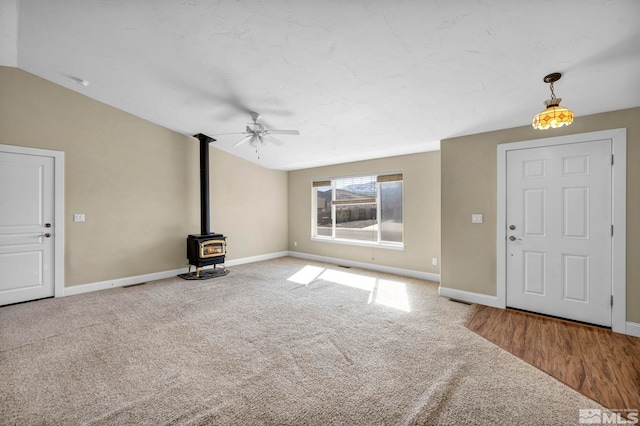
{"x": 241, "y": 141}
{"x": 283, "y": 132}
{"x": 227, "y": 134}
{"x": 274, "y": 140}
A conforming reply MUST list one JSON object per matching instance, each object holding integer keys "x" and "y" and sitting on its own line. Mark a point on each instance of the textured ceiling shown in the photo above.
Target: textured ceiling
{"x": 359, "y": 79}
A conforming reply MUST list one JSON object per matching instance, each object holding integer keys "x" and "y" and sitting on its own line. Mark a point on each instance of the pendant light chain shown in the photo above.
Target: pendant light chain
{"x": 553, "y": 94}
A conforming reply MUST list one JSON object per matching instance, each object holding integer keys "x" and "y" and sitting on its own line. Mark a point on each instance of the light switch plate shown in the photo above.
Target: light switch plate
{"x": 476, "y": 218}
{"x": 78, "y": 217}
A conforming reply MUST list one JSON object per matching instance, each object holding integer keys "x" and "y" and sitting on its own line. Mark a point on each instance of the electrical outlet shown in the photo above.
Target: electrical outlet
{"x": 78, "y": 217}
{"x": 295, "y": 244}
{"x": 434, "y": 261}
{"x": 476, "y": 218}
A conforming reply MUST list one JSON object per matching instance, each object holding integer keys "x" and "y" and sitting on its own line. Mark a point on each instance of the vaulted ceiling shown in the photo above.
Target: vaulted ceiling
{"x": 359, "y": 79}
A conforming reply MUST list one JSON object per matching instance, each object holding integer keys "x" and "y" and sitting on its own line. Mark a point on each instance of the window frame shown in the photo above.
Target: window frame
{"x": 317, "y": 183}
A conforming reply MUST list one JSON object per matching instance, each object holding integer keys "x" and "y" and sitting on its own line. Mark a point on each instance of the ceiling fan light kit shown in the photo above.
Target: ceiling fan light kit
{"x": 554, "y": 115}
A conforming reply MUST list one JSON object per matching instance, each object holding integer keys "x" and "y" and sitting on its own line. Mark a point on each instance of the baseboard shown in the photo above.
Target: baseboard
{"x": 470, "y": 297}
{"x": 632, "y": 329}
{"x": 259, "y": 258}
{"x": 121, "y": 282}
{"x": 362, "y": 265}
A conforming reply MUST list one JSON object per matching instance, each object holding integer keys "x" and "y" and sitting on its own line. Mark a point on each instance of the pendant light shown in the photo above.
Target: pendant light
{"x": 555, "y": 115}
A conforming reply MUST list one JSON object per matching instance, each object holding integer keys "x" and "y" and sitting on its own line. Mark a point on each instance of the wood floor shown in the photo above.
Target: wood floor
{"x": 598, "y": 363}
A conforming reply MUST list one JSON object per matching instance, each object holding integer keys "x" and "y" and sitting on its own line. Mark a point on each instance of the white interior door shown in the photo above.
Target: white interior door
{"x": 559, "y": 240}
{"x": 27, "y": 228}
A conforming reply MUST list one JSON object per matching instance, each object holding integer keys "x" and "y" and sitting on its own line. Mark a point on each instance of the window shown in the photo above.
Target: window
{"x": 359, "y": 209}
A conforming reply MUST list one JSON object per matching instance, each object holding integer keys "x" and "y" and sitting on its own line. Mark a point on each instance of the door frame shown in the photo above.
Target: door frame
{"x": 58, "y": 211}
{"x": 618, "y": 139}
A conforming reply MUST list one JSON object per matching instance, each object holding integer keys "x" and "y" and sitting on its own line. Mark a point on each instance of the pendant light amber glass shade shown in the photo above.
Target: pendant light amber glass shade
{"x": 553, "y": 116}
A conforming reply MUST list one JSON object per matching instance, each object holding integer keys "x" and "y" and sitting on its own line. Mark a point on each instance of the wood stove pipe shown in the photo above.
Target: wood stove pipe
{"x": 204, "y": 182}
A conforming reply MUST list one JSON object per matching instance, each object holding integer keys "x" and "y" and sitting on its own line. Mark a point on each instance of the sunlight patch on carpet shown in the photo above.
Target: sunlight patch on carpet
{"x": 306, "y": 275}
{"x": 392, "y": 294}
{"x": 349, "y": 279}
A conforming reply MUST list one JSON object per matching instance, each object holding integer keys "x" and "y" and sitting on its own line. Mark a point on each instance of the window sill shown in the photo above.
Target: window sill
{"x": 388, "y": 246}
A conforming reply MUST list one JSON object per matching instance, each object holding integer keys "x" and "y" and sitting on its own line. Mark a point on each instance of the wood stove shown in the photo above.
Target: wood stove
{"x": 207, "y": 248}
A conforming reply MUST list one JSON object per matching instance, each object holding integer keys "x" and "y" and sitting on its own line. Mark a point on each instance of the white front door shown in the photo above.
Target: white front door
{"x": 27, "y": 228}
{"x": 558, "y": 220}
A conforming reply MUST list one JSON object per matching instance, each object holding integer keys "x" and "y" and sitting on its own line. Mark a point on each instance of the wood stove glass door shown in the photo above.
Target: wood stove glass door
{"x": 212, "y": 248}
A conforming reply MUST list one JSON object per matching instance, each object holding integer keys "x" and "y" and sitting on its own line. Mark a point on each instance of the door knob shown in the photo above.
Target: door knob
{"x": 47, "y": 235}
{"x": 512, "y": 227}
{"x": 513, "y": 238}
{"x": 47, "y": 225}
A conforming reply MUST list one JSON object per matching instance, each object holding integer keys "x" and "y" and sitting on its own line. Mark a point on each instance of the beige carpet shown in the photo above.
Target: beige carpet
{"x": 282, "y": 342}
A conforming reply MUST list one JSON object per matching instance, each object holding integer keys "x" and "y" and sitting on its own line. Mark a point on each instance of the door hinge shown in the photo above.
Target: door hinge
{"x": 612, "y": 300}
{"x": 612, "y": 230}
{"x": 612, "y": 159}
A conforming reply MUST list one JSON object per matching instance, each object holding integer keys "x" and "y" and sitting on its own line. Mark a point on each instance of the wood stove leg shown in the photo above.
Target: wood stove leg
{"x": 197, "y": 272}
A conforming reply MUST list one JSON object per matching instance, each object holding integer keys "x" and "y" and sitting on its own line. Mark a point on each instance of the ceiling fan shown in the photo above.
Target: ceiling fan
{"x": 256, "y": 133}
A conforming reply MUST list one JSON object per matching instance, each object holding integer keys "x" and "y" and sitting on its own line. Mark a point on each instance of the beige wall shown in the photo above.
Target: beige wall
{"x": 421, "y": 212}
{"x": 249, "y": 205}
{"x": 469, "y": 182}
{"x": 137, "y": 183}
